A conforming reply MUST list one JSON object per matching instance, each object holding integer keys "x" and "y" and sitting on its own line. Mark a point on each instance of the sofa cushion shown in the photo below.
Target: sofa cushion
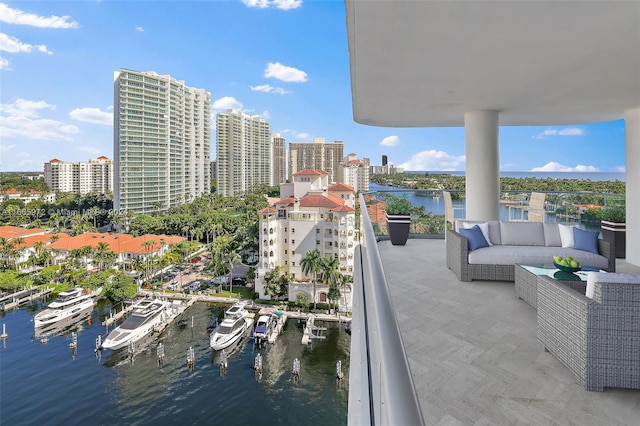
{"x": 475, "y": 238}
{"x": 484, "y": 227}
{"x": 522, "y": 233}
{"x": 585, "y": 240}
{"x": 605, "y": 277}
{"x": 566, "y": 234}
{"x": 552, "y": 235}
{"x": 510, "y": 255}
{"x": 494, "y": 229}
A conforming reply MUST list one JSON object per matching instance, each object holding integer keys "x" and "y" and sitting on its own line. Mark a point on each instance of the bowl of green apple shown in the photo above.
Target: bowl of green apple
{"x": 566, "y": 264}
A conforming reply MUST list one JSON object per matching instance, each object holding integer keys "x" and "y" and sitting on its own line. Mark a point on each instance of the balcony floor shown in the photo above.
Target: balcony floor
{"x": 473, "y": 351}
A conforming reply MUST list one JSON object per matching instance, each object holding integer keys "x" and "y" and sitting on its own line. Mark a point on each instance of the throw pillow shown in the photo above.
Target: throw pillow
{"x": 585, "y": 240}
{"x": 566, "y": 234}
{"x": 475, "y": 239}
{"x": 484, "y": 227}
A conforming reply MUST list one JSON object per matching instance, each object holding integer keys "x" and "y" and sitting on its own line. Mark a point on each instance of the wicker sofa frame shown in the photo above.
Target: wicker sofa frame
{"x": 458, "y": 261}
{"x": 597, "y": 339}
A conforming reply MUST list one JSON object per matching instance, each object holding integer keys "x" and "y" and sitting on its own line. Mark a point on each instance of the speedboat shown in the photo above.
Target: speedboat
{"x": 234, "y": 325}
{"x": 68, "y": 304}
{"x": 147, "y": 316}
{"x": 264, "y": 328}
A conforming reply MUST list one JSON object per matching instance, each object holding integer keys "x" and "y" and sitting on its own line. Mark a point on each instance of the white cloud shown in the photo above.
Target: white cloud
{"x": 557, "y": 167}
{"x": 266, "y": 115}
{"x": 22, "y": 119}
{"x": 227, "y": 102}
{"x": 25, "y": 159}
{"x": 109, "y": 108}
{"x": 267, "y": 88}
{"x": 434, "y": 160}
{"x": 140, "y": 29}
{"x": 567, "y": 131}
{"x": 4, "y": 64}
{"x": 13, "y": 45}
{"x": 302, "y": 135}
{"x": 287, "y": 4}
{"x": 279, "y": 4}
{"x": 620, "y": 169}
{"x": 390, "y": 141}
{"x": 90, "y": 149}
{"x": 7, "y": 147}
{"x": 285, "y": 73}
{"x": 25, "y": 108}
{"x": 15, "y": 16}
{"x": 92, "y": 115}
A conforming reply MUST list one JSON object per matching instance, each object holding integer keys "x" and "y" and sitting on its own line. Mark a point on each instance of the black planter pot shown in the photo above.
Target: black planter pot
{"x": 615, "y": 233}
{"x": 398, "y": 225}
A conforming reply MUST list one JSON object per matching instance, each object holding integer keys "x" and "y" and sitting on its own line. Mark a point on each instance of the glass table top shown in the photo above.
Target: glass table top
{"x": 550, "y": 270}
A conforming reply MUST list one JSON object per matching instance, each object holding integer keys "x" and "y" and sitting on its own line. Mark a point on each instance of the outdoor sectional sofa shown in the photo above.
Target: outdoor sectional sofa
{"x": 518, "y": 242}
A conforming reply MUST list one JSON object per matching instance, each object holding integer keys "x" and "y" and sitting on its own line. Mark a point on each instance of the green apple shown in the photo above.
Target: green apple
{"x": 557, "y": 258}
{"x": 574, "y": 264}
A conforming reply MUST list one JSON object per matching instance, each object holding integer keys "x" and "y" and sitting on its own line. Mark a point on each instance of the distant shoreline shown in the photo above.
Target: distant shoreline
{"x": 595, "y": 176}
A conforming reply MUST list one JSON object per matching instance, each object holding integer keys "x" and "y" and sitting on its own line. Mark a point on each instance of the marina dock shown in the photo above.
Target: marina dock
{"x": 14, "y": 300}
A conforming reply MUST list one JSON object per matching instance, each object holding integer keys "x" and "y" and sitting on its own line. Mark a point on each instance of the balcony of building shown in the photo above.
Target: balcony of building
{"x": 430, "y": 349}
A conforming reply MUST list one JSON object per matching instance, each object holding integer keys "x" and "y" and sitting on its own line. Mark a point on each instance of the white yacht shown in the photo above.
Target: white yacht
{"x": 69, "y": 304}
{"x": 234, "y": 325}
{"x": 264, "y": 328}
{"x": 147, "y": 316}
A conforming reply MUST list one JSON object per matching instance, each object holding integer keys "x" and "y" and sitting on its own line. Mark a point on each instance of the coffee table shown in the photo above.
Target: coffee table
{"x": 526, "y": 279}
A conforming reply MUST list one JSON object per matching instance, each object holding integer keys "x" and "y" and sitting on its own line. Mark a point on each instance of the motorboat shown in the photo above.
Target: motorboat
{"x": 66, "y": 325}
{"x": 234, "y": 325}
{"x": 68, "y": 304}
{"x": 148, "y": 316}
{"x": 264, "y": 328}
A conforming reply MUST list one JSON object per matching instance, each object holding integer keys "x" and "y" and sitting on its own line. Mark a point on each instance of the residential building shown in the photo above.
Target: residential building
{"x": 27, "y": 196}
{"x": 317, "y": 155}
{"x": 214, "y": 169}
{"x": 355, "y": 172}
{"x": 96, "y": 175}
{"x": 243, "y": 152}
{"x": 278, "y": 159}
{"x": 311, "y": 214}
{"x": 62, "y": 176}
{"x": 386, "y": 169}
{"x": 162, "y": 141}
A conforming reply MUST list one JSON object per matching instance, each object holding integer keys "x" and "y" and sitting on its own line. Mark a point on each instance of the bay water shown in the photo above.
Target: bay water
{"x": 51, "y": 383}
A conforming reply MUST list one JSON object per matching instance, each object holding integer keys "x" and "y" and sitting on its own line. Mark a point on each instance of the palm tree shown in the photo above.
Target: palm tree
{"x": 147, "y": 244}
{"x": 101, "y": 253}
{"x": 311, "y": 265}
{"x": 230, "y": 259}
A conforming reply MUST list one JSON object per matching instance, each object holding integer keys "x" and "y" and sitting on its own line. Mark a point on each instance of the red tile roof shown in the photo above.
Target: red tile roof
{"x": 102, "y": 157}
{"x": 16, "y": 231}
{"x": 320, "y": 201}
{"x": 309, "y": 172}
{"x": 341, "y": 187}
{"x": 285, "y": 201}
{"x": 268, "y": 210}
{"x": 118, "y": 243}
{"x": 11, "y": 191}
{"x": 55, "y": 160}
{"x": 343, "y": 209}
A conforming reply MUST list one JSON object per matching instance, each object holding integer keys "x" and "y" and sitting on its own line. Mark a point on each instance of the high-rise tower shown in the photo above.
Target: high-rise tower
{"x": 278, "y": 159}
{"x": 243, "y": 152}
{"x": 162, "y": 141}
{"x": 317, "y": 155}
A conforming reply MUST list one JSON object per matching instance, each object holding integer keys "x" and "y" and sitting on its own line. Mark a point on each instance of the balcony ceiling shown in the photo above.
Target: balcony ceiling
{"x": 425, "y": 63}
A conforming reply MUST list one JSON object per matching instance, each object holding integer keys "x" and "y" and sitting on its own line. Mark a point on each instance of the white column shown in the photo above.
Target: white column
{"x": 632, "y": 131}
{"x": 483, "y": 165}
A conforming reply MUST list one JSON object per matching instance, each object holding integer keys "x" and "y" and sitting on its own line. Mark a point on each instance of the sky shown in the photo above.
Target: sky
{"x": 285, "y": 60}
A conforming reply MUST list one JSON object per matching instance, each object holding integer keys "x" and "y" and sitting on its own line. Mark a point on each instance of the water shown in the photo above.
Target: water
{"x": 595, "y": 176}
{"x": 52, "y": 384}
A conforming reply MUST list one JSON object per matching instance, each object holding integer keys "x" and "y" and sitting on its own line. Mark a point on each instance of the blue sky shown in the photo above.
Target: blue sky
{"x": 286, "y": 60}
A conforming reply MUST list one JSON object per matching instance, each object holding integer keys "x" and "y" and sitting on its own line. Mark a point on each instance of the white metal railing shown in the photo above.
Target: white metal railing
{"x": 381, "y": 388}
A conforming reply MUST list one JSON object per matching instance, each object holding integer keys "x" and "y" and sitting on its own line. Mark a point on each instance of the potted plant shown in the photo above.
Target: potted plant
{"x": 614, "y": 228}
{"x": 398, "y": 218}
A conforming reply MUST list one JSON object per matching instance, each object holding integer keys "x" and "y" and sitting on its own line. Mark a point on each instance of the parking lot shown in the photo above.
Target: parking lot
{"x": 190, "y": 276}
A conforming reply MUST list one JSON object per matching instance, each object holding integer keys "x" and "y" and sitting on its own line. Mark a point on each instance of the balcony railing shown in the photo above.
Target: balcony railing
{"x": 381, "y": 389}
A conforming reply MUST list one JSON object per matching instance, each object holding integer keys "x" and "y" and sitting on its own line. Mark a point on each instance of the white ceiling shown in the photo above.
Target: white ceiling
{"x": 422, "y": 63}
